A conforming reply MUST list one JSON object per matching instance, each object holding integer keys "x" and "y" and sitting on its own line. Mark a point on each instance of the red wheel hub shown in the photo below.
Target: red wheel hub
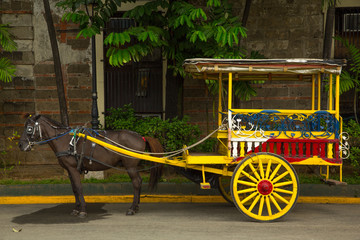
{"x": 265, "y": 187}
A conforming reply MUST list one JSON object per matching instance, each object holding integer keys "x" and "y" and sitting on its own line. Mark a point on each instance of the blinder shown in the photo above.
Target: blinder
{"x": 29, "y": 130}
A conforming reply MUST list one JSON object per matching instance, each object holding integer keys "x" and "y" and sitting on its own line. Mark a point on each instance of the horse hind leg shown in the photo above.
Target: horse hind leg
{"x": 136, "y": 181}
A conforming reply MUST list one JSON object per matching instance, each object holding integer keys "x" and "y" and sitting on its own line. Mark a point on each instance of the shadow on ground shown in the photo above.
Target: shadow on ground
{"x": 61, "y": 214}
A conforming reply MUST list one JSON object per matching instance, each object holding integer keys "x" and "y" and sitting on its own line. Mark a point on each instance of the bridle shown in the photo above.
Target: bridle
{"x": 32, "y": 130}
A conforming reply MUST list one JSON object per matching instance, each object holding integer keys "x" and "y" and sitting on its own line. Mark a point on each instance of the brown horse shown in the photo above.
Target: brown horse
{"x": 77, "y": 155}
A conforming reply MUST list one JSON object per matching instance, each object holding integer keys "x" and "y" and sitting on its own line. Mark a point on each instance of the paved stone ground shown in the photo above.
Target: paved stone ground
{"x": 176, "y": 221}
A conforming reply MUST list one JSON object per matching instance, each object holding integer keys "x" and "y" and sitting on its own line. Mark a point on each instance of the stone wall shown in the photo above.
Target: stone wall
{"x": 276, "y": 29}
{"x": 34, "y": 89}
{"x": 285, "y": 28}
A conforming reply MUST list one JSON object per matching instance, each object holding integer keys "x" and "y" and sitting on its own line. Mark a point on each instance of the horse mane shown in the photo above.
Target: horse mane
{"x": 53, "y": 122}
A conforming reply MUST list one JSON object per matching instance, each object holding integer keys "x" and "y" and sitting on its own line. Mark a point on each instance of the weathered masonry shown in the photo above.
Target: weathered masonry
{"x": 298, "y": 33}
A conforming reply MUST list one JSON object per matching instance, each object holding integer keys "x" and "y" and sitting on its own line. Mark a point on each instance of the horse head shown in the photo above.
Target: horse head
{"x": 32, "y": 132}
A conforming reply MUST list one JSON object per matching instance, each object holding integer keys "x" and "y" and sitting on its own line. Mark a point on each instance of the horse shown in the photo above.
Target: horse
{"x": 77, "y": 155}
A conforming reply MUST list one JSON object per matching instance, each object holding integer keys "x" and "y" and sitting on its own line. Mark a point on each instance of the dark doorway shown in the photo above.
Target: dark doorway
{"x": 137, "y": 83}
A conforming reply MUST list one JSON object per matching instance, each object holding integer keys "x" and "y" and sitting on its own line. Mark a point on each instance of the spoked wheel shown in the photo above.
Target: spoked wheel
{"x": 224, "y": 188}
{"x": 264, "y": 186}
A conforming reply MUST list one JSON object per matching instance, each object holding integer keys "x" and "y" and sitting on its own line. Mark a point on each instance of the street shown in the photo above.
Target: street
{"x": 176, "y": 221}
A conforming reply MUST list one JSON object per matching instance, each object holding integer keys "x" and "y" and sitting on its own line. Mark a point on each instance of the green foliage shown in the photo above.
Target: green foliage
{"x": 7, "y": 69}
{"x": 81, "y": 10}
{"x": 183, "y": 30}
{"x": 241, "y": 89}
{"x": 349, "y": 80}
{"x": 6, "y": 41}
{"x": 172, "y": 134}
{"x": 208, "y": 146}
{"x": 353, "y": 129}
{"x": 5, "y": 165}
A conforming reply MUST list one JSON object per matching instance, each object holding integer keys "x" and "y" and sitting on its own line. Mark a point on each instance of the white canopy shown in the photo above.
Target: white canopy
{"x": 279, "y": 68}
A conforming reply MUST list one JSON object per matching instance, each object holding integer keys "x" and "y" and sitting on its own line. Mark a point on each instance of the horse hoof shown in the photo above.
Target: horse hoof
{"x": 74, "y": 213}
{"x": 130, "y": 212}
{"x": 82, "y": 215}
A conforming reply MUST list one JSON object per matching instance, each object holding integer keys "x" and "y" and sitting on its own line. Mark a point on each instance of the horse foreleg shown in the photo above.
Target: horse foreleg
{"x": 76, "y": 210}
{"x": 80, "y": 204}
{"x": 136, "y": 181}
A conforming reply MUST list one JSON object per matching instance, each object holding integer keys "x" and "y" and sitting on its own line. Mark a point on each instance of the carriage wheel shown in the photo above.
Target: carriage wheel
{"x": 224, "y": 188}
{"x": 264, "y": 186}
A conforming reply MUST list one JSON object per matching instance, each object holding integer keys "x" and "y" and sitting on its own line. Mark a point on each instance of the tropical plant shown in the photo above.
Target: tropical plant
{"x": 172, "y": 133}
{"x": 179, "y": 28}
{"x": 7, "y": 69}
{"x": 350, "y": 79}
{"x": 353, "y": 129}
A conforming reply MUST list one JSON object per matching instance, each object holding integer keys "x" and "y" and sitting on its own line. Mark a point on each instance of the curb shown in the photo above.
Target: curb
{"x": 156, "y": 199}
{"x": 166, "y": 192}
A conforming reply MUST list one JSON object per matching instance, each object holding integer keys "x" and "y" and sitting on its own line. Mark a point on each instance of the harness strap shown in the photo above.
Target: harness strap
{"x": 64, "y": 154}
{"x": 80, "y": 161}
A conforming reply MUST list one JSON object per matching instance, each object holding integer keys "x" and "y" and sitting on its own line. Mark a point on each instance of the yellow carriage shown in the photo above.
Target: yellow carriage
{"x": 259, "y": 146}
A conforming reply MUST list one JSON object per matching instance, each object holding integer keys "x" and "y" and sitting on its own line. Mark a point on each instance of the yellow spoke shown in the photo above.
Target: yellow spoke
{"x": 250, "y": 177}
{"x": 248, "y": 198}
{"x": 280, "y": 198}
{"x": 251, "y": 184}
{"x": 254, "y": 202}
{"x": 261, "y": 168}
{"x": 268, "y": 169}
{"x": 261, "y": 206}
{"x": 283, "y": 191}
{"x": 275, "y": 172}
{"x": 246, "y": 190}
{"x": 268, "y": 206}
{"x": 280, "y": 177}
{"x": 273, "y": 200}
{"x": 254, "y": 171}
{"x": 283, "y": 184}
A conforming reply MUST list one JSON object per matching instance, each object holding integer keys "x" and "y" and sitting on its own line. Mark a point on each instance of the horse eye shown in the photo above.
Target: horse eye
{"x": 29, "y": 130}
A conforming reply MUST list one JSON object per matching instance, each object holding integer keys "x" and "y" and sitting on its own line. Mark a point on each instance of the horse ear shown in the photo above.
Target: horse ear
{"x": 27, "y": 115}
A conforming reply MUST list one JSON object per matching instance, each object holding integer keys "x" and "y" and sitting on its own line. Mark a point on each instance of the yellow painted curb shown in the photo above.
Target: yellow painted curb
{"x": 156, "y": 199}
{"x": 338, "y": 200}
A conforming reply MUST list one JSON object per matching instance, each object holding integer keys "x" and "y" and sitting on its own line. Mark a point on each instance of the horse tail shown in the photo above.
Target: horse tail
{"x": 156, "y": 171}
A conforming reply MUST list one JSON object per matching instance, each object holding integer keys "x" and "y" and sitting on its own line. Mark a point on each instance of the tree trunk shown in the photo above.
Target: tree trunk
{"x": 245, "y": 16}
{"x": 57, "y": 65}
{"x": 329, "y": 29}
{"x": 246, "y": 13}
{"x": 327, "y": 47}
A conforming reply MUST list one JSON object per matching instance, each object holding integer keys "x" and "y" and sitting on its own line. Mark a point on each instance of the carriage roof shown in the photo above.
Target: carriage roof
{"x": 262, "y": 69}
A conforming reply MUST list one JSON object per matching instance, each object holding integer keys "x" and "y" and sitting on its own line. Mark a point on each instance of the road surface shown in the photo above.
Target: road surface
{"x": 173, "y": 221}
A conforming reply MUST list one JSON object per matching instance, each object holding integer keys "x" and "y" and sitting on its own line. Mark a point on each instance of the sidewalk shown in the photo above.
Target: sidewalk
{"x": 166, "y": 192}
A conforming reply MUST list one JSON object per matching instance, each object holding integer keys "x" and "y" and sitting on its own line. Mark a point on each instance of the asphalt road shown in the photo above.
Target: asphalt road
{"x": 172, "y": 221}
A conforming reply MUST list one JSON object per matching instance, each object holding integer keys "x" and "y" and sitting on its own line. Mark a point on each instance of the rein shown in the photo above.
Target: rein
{"x": 72, "y": 150}
{"x": 50, "y": 139}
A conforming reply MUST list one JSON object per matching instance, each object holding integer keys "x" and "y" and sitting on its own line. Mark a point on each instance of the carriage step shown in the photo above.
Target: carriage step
{"x": 205, "y": 185}
{"x": 334, "y": 182}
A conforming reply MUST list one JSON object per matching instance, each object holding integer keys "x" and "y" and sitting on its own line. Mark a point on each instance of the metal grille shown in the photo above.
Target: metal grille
{"x": 347, "y": 26}
{"x": 138, "y": 84}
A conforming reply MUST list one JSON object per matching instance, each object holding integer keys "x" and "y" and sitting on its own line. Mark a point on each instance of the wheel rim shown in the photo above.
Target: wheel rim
{"x": 224, "y": 188}
{"x": 264, "y": 187}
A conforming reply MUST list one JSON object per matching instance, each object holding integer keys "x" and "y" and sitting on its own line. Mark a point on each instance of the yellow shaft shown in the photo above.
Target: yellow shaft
{"x": 153, "y": 159}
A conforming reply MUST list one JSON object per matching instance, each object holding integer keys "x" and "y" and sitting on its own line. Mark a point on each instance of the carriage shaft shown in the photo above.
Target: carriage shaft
{"x": 162, "y": 160}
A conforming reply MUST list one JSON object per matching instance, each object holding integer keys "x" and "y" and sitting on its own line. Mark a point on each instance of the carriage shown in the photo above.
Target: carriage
{"x": 258, "y": 147}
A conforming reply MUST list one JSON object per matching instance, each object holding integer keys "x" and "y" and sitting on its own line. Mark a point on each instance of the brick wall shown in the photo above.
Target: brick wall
{"x": 297, "y": 33}
{"x": 34, "y": 89}
{"x": 277, "y": 29}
